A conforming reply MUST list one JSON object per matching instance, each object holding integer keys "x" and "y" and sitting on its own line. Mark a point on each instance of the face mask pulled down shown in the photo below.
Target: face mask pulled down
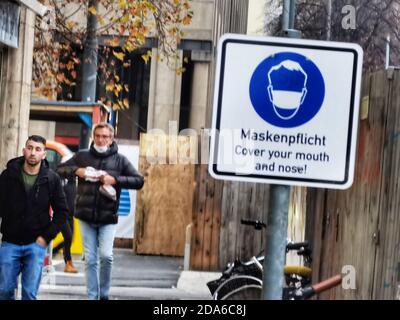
{"x": 100, "y": 149}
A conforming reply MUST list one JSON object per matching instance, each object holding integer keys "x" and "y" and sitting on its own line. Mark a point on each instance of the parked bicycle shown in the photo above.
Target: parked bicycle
{"x": 243, "y": 280}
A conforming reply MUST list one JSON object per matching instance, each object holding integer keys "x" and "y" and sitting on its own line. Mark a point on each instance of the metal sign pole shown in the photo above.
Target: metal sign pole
{"x": 277, "y": 221}
{"x": 276, "y": 242}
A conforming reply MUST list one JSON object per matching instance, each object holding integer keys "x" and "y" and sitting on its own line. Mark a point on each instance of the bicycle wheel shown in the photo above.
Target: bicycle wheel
{"x": 245, "y": 293}
{"x": 239, "y": 288}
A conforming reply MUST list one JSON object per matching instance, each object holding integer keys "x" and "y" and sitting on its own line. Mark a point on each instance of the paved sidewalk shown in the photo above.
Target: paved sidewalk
{"x": 134, "y": 277}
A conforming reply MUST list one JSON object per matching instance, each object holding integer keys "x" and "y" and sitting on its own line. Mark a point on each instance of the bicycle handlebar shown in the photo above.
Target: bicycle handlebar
{"x": 297, "y": 245}
{"x": 321, "y": 286}
{"x": 328, "y": 283}
{"x": 258, "y": 225}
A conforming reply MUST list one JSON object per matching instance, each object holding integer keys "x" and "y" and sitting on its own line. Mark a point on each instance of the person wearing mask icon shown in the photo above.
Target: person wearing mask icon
{"x": 287, "y": 88}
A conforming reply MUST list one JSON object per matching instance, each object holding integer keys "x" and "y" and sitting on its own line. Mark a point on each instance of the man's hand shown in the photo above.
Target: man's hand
{"x": 40, "y": 241}
{"x": 107, "y": 179}
{"x": 80, "y": 173}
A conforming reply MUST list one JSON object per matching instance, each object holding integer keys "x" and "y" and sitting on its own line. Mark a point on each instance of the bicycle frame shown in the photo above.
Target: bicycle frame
{"x": 243, "y": 280}
{"x": 241, "y": 287}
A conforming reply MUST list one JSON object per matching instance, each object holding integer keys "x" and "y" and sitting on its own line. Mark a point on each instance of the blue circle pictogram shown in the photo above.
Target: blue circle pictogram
{"x": 287, "y": 89}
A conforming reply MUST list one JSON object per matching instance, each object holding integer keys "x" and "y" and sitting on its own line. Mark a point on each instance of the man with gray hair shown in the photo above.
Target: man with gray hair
{"x": 102, "y": 172}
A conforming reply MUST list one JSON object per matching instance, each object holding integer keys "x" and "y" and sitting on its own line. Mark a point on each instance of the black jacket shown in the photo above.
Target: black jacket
{"x": 90, "y": 205}
{"x": 27, "y": 216}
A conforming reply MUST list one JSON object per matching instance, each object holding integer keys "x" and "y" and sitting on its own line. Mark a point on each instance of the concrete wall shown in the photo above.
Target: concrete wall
{"x": 256, "y": 18}
{"x": 164, "y": 94}
{"x": 16, "y": 89}
{"x": 202, "y": 23}
{"x": 166, "y": 84}
{"x": 211, "y": 19}
{"x": 45, "y": 129}
{"x": 230, "y": 16}
{"x": 3, "y": 50}
{"x": 198, "y": 100}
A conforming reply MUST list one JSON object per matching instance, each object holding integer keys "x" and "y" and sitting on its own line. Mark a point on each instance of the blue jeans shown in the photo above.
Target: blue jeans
{"x": 16, "y": 259}
{"x": 98, "y": 241}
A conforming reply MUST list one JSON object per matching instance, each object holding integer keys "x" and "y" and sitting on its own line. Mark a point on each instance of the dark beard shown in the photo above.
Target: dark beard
{"x": 33, "y": 164}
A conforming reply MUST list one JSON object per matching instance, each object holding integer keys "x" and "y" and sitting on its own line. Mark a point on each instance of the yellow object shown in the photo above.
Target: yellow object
{"x": 76, "y": 247}
{"x": 299, "y": 270}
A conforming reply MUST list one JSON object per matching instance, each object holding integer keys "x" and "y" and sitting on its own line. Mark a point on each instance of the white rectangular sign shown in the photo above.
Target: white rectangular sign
{"x": 286, "y": 111}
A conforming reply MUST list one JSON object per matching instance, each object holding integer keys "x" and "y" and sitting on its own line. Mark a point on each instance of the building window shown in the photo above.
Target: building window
{"x": 132, "y": 121}
{"x": 186, "y": 92}
{"x": 134, "y": 74}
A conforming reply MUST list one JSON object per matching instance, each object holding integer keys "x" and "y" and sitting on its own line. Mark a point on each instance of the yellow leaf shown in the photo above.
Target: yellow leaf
{"x": 141, "y": 38}
{"x": 60, "y": 77}
{"x": 70, "y": 65}
{"x": 126, "y": 87}
{"x": 129, "y": 46}
{"x": 118, "y": 87}
{"x": 114, "y": 42}
{"x": 101, "y": 20}
{"x": 122, "y": 4}
{"x": 145, "y": 57}
{"x": 187, "y": 20}
{"x": 124, "y": 19}
{"x": 110, "y": 86}
{"x": 126, "y": 102}
{"x": 92, "y": 10}
{"x": 179, "y": 71}
{"x": 71, "y": 24}
{"x": 119, "y": 55}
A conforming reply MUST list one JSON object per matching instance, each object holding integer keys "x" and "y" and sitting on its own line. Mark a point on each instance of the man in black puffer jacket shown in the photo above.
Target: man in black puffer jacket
{"x": 99, "y": 169}
{"x": 27, "y": 190}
